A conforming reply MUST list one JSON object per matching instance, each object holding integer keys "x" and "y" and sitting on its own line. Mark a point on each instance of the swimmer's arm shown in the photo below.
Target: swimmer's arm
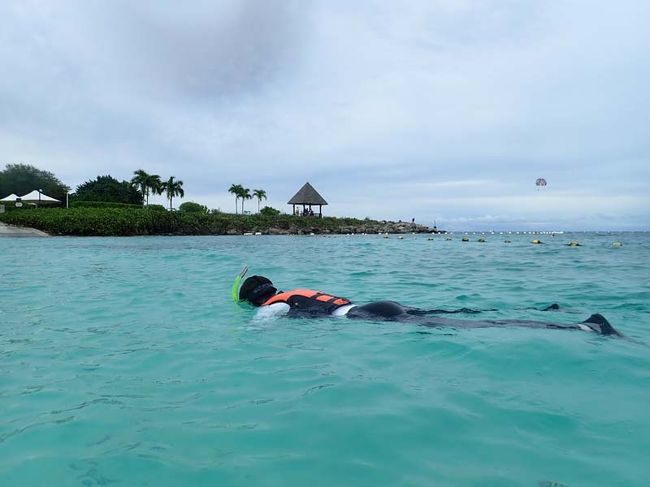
{"x": 272, "y": 310}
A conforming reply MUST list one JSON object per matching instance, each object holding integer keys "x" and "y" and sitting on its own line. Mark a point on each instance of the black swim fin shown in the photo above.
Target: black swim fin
{"x": 599, "y": 324}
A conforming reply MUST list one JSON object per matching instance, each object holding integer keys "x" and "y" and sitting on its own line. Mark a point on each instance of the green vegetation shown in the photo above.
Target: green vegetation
{"x": 245, "y": 194}
{"x": 145, "y": 221}
{"x": 260, "y": 194}
{"x": 236, "y": 189}
{"x": 172, "y": 188}
{"x": 156, "y": 208}
{"x": 108, "y": 189}
{"x": 151, "y": 184}
{"x": 102, "y": 204}
{"x": 21, "y": 179}
{"x": 191, "y": 207}
{"x": 268, "y": 211}
{"x": 108, "y": 207}
{"x": 146, "y": 183}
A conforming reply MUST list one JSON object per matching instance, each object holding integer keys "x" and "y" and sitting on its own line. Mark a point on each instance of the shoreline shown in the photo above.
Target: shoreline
{"x": 18, "y": 231}
{"x": 114, "y": 222}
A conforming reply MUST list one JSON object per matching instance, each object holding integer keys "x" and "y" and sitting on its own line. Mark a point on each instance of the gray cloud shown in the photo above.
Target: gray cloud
{"x": 413, "y": 101}
{"x": 204, "y": 51}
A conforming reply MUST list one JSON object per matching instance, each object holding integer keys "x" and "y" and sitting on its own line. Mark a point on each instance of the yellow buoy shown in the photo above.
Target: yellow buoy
{"x": 536, "y": 242}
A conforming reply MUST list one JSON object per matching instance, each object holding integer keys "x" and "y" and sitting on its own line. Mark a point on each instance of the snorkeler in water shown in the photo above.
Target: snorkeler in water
{"x": 260, "y": 292}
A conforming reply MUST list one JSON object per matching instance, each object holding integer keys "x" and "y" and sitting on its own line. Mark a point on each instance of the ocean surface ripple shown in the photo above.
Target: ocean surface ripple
{"x": 123, "y": 361}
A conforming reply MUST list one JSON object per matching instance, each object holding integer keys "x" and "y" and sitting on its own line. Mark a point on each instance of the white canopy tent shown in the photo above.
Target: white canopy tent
{"x": 11, "y": 198}
{"x": 38, "y": 197}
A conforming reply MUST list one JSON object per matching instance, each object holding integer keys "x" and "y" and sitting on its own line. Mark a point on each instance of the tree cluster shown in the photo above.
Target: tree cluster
{"x": 152, "y": 184}
{"x": 136, "y": 191}
{"x": 245, "y": 194}
{"x": 20, "y": 179}
{"x": 108, "y": 189}
{"x": 192, "y": 207}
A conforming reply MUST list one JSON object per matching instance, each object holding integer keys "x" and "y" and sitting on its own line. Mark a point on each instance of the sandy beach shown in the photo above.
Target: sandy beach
{"x": 11, "y": 231}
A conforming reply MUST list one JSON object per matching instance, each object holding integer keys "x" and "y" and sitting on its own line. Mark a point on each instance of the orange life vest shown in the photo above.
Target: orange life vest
{"x": 309, "y": 301}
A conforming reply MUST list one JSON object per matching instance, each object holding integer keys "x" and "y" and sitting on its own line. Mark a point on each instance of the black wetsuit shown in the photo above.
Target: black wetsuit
{"x": 392, "y": 311}
{"x": 310, "y": 303}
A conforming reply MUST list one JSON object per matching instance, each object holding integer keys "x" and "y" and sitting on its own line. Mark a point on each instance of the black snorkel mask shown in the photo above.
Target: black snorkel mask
{"x": 256, "y": 289}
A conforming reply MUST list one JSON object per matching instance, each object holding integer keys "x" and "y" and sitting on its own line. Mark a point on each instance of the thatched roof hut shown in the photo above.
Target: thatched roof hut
{"x": 307, "y": 196}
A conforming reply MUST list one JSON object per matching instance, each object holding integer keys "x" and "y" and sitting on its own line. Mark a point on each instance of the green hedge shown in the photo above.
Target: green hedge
{"x": 155, "y": 208}
{"x": 138, "y": 221}
{"x": 101, "y": 204}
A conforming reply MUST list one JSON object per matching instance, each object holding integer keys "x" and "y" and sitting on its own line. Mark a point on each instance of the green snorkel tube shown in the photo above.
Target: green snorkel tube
{"x": 234, "y": 292}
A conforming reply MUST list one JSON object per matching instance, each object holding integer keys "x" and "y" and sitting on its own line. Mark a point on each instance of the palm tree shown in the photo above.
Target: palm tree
{"x": 139, "y": 181}
{"x": 244, "y": 194}
{"x": 172, "y": 188}
{"x": 236, "y": 189}
{"x": 155, "y": 185}
{"x": 260, "y": 194}
{"x": 146, "y": 183}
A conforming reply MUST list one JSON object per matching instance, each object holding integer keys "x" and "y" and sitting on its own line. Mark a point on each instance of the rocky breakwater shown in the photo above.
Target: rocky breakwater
{"x": 367, "y": 227}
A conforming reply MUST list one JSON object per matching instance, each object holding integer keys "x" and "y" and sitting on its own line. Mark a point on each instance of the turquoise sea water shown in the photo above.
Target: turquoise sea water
{"x": 123, "y": 362}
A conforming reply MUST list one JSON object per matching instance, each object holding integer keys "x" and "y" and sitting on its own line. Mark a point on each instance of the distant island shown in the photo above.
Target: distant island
{"x": 129, "y": 221}
{"x": 106, "y": 206}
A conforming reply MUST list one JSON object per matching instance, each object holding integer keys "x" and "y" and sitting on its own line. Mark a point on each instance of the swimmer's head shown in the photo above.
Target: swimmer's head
{"x": 256, "y": 290}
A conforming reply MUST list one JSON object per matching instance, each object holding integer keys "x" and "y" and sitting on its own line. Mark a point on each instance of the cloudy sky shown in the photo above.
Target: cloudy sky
{"x": 445, "y": 110}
